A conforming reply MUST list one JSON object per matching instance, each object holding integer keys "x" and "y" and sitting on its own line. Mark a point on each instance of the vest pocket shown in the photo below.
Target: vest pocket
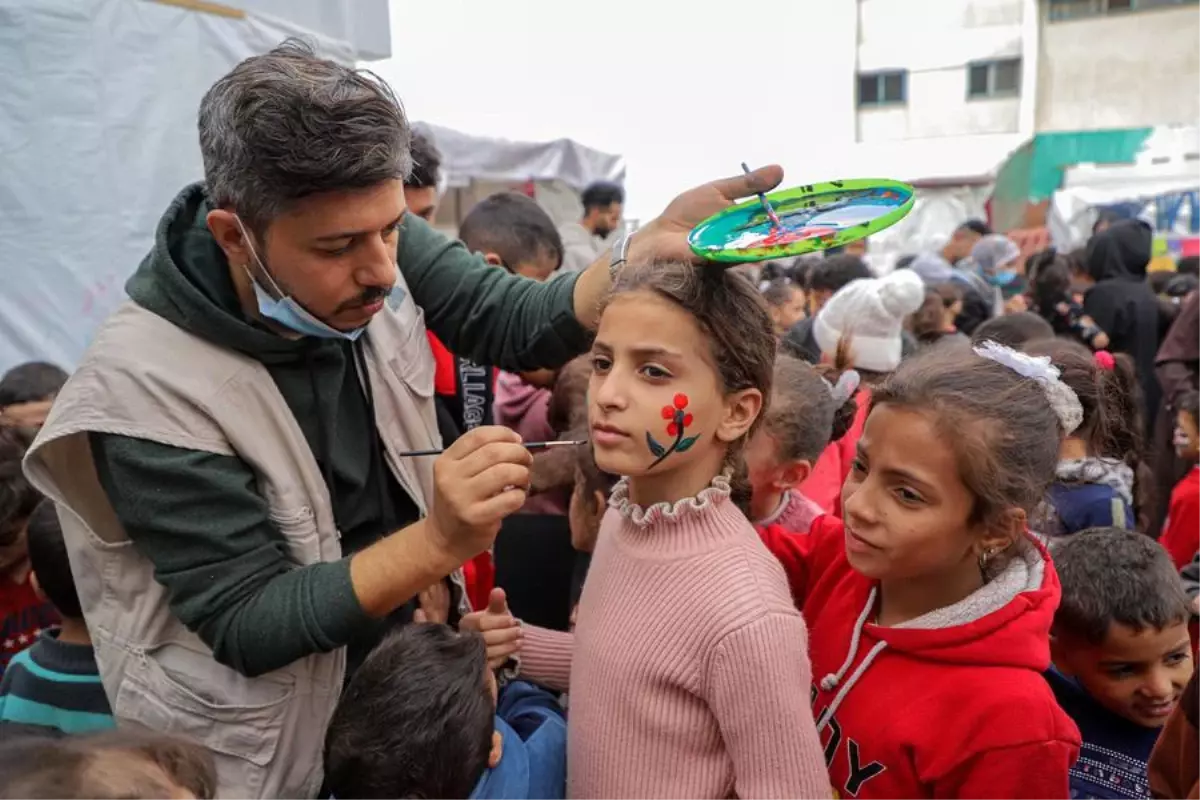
{"x": 299, "y": 530}
{"x": 245, "y": 724}
{"x": 413, "y": 360}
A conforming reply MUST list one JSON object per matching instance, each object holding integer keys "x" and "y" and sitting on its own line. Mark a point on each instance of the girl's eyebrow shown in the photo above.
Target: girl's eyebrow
{"x": 654, "y": 351}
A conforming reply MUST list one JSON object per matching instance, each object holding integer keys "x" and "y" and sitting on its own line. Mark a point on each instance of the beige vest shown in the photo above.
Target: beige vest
{"x": 144, "y": 377}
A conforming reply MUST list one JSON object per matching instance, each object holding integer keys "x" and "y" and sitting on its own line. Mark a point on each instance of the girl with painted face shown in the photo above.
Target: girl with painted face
{"x": 688, "y": 667}
{"x": 929, "y": 608}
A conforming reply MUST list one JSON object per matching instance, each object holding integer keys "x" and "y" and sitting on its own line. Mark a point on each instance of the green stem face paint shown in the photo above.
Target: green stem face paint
{"x": 678, "y": 421}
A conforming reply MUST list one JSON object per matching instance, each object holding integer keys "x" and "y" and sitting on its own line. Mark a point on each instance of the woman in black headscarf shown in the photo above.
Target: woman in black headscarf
{"x": 1121, "y": 302}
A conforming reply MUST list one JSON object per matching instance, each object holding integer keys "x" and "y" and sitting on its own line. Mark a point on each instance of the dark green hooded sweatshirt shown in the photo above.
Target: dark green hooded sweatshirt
{"x": 199, "y": 517}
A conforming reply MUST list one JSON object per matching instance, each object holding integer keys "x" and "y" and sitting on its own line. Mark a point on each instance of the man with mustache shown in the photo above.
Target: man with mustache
{"x": 227, "y": 459}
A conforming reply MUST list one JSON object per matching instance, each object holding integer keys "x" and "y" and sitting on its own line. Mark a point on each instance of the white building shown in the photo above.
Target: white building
{"x": 942, "y": 68}
{"x": 1118, "y": 64}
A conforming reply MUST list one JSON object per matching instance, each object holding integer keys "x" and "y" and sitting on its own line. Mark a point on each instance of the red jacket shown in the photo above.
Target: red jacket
{"x": 956, "y": 709}
{"x": 1181, "y": 531}
{"x": 824, "y": 484}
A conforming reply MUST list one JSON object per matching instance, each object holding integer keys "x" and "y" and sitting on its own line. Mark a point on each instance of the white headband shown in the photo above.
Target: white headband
{"x": 1062, "y": 398}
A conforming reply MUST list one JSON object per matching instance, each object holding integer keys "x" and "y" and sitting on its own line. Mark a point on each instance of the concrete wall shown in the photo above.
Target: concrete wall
{"x": 1125, "y": 70}
{"x": 934, "y": 41}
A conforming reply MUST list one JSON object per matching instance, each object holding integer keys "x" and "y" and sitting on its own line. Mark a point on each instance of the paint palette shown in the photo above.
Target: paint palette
{"x": 813, "y": 217}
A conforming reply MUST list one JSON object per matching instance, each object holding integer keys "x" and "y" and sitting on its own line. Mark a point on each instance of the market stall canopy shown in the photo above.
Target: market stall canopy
{"x": 469, "y": 157}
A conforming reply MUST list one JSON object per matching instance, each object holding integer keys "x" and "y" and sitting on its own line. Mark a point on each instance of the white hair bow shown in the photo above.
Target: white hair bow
{"x": 1062, "y": 398}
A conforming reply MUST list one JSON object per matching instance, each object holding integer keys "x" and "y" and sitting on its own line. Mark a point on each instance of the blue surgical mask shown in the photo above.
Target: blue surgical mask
{"x": 285, "y": 310}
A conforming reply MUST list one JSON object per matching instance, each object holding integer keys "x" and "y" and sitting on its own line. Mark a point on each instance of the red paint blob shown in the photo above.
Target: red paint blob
{"x": 681, "y": 400}
{"x": 687, "y": 420}
{"x": 668, "y": 412}
{"x": 672, "y": 429}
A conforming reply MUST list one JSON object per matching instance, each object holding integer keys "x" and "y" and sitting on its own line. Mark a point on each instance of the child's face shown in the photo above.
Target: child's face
{"x": 1187, "y": 438}
{"x": 906, "y": 508}
{"x": 1137, "y": 674}
{"x": 584, "y": 515}
{"x": 656, "y": 405}
{"x": 789, "y": 313}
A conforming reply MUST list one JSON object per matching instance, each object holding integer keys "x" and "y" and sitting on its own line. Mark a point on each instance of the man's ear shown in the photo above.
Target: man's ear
{"x": 224, "y": 228}
{"x": 741, "y": 409}
{"x": 494, "y": 259}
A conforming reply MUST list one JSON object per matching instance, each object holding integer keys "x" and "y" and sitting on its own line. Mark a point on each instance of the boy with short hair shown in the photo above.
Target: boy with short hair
{"x": 420, "y": 719}
{"x": 1121, "y": 654}
{"x": 1181, "y": 530}
{"x": 56, "y": 682}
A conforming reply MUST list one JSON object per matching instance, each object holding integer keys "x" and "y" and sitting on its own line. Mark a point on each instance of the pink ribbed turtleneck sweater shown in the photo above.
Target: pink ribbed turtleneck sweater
{"x": 688, "y": 670}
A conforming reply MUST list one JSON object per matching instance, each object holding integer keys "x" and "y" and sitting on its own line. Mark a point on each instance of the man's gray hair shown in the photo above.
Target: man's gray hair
{"x": 287, "y": 124}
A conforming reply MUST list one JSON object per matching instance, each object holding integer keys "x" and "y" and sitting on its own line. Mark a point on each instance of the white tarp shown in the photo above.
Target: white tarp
{"x": 467, "y": 157}
{"x": 97, "y": 134}
{"x": 1168, "y": 164}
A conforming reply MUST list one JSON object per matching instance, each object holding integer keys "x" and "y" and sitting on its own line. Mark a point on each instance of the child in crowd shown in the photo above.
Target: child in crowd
{"x": 23, "y": 614}
{"x": 934, "y": 320}
{"x": 806, "y": 413}
{"x": 26, "y": 393}
{"x": 511, "y": 232}
{"x": 589, "y": 501}
{"x": 55, "y": 682}
{"x": 785, "y": 302}
{"x": 420, "y": 718}
{"x": 1181, "y": 531}
{"x": 687, "y": 666}
{"x": 826, "y": 278}
{"x": 111, "y": 765}
{"x": 929, "y": 608}
{"x": 1051, "y": 276}
{"x": 1013, "y": 330}
{"x": 1101, "y": 480}
{"x": 1121, "y": 654}
{"x": 862, "y": 327}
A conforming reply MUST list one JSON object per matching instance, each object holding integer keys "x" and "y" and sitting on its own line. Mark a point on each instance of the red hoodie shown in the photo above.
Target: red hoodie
{"x": 1181, "y": 531}
{"x": 951, "y": 705}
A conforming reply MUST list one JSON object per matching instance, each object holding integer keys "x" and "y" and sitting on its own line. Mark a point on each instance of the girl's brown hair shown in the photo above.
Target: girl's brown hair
{"x": 926, "y": 324}
{"x": 803, "y": 419}
{"x": 734, "y": 319}
{"x": 1112, "y": 411}
{"x": 1003, "y": 432}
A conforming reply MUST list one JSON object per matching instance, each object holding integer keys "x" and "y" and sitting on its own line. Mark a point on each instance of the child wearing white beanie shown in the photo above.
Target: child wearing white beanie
{"x": 871, "y": 313}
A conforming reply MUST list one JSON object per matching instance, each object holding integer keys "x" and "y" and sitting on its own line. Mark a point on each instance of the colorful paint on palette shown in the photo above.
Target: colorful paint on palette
{"x": 678, "y": 420}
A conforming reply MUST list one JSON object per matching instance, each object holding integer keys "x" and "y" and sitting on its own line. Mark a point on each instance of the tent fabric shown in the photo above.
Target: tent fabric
{"x": 97, "y": 134}
{"x": 467, "y": 158}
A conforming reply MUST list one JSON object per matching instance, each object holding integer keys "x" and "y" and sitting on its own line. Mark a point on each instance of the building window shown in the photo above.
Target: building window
{"x": 994, "y": 78}
{"x": 1078, "y": 9}
{"x": 882, "y": 88}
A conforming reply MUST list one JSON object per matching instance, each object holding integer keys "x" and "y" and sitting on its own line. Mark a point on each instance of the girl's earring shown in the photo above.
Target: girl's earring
{"x": 985, "y": 558}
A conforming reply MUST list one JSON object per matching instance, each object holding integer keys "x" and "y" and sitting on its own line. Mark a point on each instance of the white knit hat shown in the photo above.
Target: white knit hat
{"x": 871, "y": 311}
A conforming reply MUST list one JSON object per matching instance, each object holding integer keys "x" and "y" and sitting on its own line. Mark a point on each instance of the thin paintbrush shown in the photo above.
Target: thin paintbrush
{"x": 531, "y": 446}
{"x": 762, "y": 198}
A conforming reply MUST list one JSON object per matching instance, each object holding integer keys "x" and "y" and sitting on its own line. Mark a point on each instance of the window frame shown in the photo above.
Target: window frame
{"x": 880, "y": 77}
{"x": 1062, "y": 10}
{"x": 992, "y": 65}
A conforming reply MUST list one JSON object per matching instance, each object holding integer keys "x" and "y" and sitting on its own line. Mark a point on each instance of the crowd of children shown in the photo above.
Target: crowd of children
{"x": 831, "y": 534}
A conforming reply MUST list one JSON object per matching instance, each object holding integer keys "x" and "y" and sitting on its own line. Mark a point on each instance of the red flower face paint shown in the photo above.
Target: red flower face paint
{"x": 679, "y": 420}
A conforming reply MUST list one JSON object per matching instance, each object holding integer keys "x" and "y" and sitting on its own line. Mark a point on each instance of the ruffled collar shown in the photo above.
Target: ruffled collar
{"x": 717, "y": 493}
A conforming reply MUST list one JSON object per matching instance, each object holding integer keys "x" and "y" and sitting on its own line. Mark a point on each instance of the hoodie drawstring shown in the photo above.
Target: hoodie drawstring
{"x": 831, "y": 681}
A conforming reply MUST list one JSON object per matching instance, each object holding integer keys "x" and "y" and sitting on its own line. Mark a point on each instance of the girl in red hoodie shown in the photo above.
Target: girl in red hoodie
{"x": 929, "y": 607}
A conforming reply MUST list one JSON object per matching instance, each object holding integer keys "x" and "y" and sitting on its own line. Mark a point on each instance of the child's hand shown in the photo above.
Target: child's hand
{"x": 435, "y": 604}
{"x": 499, "y": 627}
